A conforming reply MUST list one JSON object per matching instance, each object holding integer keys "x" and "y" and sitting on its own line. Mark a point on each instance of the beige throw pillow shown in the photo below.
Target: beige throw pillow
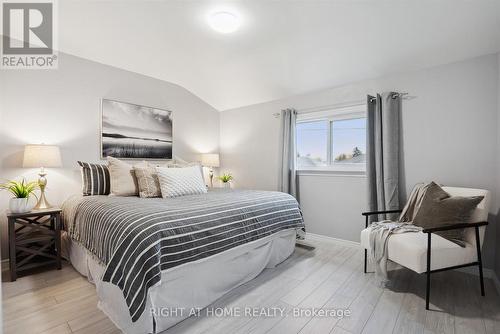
{"x": 123, "y": 180}
{"x": 147, "y": 180}
{"x": 438, "y": 208}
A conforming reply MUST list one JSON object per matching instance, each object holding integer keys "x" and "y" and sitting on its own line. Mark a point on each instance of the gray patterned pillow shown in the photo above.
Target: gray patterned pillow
{"x": 147, "y": 180}
{"x": 180, "y": 181}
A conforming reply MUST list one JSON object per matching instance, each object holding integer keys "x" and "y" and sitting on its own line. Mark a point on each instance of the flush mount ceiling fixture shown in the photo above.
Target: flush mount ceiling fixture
{"x": 224, "y": 22}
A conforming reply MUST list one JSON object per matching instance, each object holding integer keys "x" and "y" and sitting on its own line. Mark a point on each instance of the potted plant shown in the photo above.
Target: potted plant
{"x": 226, "y": 178}
{"x": 22, "y": 192}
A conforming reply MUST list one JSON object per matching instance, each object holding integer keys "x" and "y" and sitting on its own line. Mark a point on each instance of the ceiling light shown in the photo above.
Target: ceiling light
{"x": 224, "y": 22}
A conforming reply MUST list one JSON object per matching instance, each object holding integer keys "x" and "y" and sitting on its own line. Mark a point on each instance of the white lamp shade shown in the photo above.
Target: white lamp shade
{"x": 210, "y": 160}
{"x": 42, "y": 156}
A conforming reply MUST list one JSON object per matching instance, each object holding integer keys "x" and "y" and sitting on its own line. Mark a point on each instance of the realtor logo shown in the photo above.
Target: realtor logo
{"x": 28, "y": 30}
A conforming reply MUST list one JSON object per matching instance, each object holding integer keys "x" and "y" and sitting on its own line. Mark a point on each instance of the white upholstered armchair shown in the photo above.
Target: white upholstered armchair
{"x": 427, "y": 252}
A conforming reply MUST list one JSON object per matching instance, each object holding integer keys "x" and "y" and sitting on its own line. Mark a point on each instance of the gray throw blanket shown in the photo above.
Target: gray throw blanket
{"x": 381, "y": 231}
{"x": 379, "y": 236}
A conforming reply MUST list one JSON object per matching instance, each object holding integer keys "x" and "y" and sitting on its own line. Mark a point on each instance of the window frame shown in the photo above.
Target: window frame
{"x": 331, "y": 115}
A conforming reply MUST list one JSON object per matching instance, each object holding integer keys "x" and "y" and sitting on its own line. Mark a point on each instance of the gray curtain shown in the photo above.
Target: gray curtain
{"x": 384, "y": 163}
{"x": 287, "y": 181}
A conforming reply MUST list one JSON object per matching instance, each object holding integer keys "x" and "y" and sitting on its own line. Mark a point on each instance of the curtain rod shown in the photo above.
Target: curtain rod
{"x": 404, "y": 95}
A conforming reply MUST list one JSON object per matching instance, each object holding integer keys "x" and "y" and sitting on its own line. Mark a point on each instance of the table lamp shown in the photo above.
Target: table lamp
{"x": 210, "y": 160}
{"x": 42, "y": 156}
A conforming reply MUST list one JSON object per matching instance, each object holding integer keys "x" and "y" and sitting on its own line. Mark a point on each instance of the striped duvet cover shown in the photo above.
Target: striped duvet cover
{"x": 138, "y": 238}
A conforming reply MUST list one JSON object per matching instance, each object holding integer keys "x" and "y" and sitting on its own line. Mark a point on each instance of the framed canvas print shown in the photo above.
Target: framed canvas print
{"x": 131, "y": 131}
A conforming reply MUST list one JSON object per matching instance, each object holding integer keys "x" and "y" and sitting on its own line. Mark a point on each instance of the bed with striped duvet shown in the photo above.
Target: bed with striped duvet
{"x": 136, "y": 239}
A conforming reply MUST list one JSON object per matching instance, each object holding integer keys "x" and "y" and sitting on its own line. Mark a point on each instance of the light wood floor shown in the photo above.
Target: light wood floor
{"x": 329, "y": 277}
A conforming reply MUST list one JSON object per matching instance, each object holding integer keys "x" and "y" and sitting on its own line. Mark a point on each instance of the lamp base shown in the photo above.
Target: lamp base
{"x": 42, "y": 183}
{"x": 42, "y": 203}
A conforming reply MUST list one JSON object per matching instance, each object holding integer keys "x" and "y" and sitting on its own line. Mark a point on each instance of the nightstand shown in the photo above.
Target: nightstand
{"x": 34, "y": 240}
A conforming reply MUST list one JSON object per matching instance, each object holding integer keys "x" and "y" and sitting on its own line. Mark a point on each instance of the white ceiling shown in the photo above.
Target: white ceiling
{"x": 283, "y": 47}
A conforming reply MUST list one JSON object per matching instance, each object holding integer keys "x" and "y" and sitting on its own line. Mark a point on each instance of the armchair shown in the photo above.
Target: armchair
{"x": 427, "y": 252}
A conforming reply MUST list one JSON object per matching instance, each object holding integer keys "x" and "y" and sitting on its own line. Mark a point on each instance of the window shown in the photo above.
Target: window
{"x": 312, "y": 143}
{"x": 332, "y": 140}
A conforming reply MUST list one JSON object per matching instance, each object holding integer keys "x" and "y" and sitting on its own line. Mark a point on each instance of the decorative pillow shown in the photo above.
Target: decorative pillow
{"x": 180, "y": 181}
{"x": 437, "y": 211}
{"x": 95, "y": 179}
{"x": 177, "y": 162}
{"x": 434, "y": 193}
{"x": 123, "y": 180}
{"x": 147, "y": 180}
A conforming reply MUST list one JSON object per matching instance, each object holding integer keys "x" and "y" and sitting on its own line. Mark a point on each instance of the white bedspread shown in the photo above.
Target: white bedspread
{"x": 192, "y": 285}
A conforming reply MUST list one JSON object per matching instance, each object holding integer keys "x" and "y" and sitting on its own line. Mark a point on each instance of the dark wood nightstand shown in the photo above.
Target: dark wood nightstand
{"x": 34, "y": 240}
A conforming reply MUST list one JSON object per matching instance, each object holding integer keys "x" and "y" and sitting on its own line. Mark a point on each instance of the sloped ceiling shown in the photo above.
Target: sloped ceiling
{"x": 283, "y": 47}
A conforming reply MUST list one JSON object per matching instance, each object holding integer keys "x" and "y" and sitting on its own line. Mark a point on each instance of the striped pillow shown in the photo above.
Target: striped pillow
{"x": 95, "y": 179}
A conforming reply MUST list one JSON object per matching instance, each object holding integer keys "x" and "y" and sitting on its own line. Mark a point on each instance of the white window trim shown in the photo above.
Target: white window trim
{"x": 350, "y": 112}
{"x": 334, "y": 114}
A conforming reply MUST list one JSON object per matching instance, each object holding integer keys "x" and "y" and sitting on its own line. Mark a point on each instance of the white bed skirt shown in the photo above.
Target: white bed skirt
{"x": 186, "y": 287}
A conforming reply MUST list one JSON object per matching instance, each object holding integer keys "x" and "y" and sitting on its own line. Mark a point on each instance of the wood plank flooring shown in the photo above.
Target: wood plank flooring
{"x": 328, "y": 277}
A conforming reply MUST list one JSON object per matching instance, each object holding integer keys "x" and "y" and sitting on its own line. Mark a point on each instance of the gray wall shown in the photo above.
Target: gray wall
{"x": 449, "y": 134}
{"x": 497, "y": 256}
{"x": 62, "y": 107}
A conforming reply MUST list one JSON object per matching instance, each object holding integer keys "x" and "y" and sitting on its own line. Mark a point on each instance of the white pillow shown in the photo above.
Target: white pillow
{"x": 180, "y": 181}
{"x": 179, "y": 163}
{"x": 122, "y": 177}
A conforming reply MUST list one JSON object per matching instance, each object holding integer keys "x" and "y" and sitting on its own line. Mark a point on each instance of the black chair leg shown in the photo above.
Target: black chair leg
{"x": 479, "y": 261}
{"x": 428, "y": 290}
{"x": 481, "y": 279}
{"x": 366, "y": 255}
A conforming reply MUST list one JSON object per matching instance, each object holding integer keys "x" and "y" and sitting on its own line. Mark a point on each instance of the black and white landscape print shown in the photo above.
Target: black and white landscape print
{"x": 135, "y": 132}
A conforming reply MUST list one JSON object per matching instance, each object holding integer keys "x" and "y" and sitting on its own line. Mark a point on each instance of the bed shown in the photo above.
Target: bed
{"x": 155, "y": 260}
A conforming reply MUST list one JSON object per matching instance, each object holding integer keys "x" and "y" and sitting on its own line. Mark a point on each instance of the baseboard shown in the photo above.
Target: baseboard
{"x": 319, "y": 237}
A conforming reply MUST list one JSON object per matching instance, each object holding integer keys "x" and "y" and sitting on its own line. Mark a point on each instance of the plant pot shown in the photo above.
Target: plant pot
{"x": 20, "y": 205}
{"x": 227, "y": 185}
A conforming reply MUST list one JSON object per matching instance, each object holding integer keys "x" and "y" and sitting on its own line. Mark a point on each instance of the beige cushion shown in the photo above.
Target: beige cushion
{"x": 147, "y": 181}
{"x": 410, "y": 250}
{"x": 122, "y": 177}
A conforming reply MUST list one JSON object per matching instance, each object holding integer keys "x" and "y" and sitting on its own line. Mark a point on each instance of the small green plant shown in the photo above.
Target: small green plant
{"x": 20, "y": 189}
{"x": 226, "y": 177}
